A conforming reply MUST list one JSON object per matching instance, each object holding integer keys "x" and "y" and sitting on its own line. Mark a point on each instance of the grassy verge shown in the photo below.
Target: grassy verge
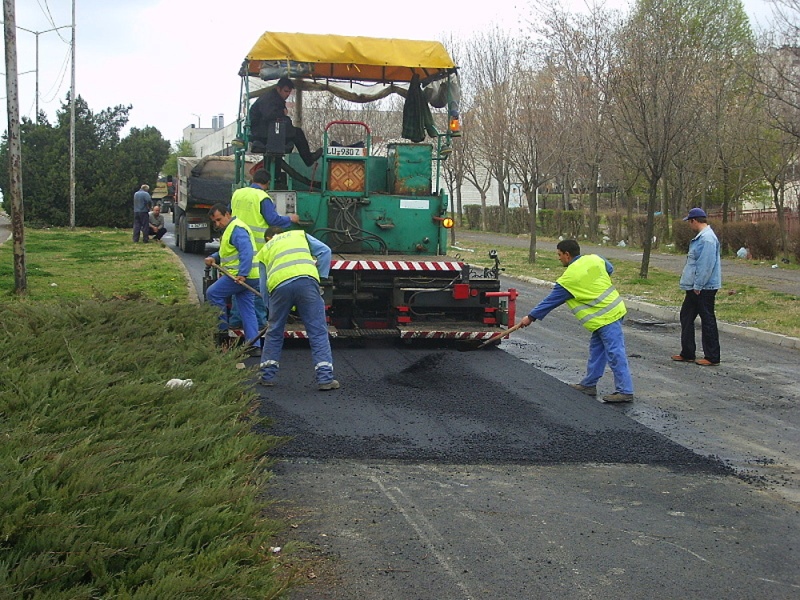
{"x": 740, "y": 302}
{"x": 100, "y": 263}
{"x": 115, "y": 485}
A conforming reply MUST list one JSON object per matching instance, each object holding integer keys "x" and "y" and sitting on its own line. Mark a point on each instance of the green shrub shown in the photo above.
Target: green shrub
{"x": 638, "y": 226}
{"x": 614, "y": 222}
{"x": 760, "y": 237}
{"x": 547, "y": 223}
{"x": 114, "y": 485}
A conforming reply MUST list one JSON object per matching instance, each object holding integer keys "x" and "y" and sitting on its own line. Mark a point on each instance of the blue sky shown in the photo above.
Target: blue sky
{"x": 177, "y": 60}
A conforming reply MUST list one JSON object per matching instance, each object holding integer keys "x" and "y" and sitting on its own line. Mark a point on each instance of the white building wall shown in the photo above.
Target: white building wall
{"x": 207, "y": 141}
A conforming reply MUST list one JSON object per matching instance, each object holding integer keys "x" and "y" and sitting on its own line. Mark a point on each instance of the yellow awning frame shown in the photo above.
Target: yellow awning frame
{"x": 346, "y": 58}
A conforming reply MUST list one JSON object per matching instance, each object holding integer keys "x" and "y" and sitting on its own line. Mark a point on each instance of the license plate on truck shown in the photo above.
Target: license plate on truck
{"x": 198, "y": 225}
{"x": 342, "y": 151}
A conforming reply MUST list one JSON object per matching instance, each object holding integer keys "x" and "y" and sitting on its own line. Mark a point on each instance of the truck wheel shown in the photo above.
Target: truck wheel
{"x": 180, "y": 234}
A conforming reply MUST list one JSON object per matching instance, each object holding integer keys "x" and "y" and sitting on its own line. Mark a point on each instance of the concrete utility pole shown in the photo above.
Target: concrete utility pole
{"x": 72, "y": 130}
{"x": 14, "y": 149}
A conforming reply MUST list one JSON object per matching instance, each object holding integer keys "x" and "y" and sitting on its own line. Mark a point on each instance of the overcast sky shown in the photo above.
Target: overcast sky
{"x": 176, "y": 61}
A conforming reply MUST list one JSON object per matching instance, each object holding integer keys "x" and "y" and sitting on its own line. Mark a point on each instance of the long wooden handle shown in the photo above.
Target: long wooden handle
{"x": 232, "y": 276}
{"x": 501, "y": 335}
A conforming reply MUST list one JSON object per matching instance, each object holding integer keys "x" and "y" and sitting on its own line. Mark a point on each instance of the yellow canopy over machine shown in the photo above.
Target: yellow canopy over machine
{"x": 345, "y": 58}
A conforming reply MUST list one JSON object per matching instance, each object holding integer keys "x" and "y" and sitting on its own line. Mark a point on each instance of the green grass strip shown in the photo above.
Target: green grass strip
{"x": 113, "y": 485}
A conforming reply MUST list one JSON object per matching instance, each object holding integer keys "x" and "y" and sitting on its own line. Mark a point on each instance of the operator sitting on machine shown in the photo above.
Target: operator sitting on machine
{"x": 271, "y": 107}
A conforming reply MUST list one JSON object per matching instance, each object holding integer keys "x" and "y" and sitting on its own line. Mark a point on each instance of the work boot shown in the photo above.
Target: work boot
{"x": 585, "y": 389}
{"x": 314, "y": 157}
{"x": 331, "y": 385}
{"x": 617, "y": 397}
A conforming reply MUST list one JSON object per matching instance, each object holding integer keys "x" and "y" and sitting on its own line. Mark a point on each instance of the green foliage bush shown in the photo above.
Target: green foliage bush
{"x": 615, "y": 223}
{"x": 759, "y": 237}
{"x": 638, "y": 226}
{"x": 547, "y": 222}
{"x": 115, "y": 486}
{"x": 108, "y": 168}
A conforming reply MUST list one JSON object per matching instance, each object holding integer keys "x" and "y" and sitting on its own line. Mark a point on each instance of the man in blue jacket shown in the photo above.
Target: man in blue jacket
{"x": 701, "y": 278}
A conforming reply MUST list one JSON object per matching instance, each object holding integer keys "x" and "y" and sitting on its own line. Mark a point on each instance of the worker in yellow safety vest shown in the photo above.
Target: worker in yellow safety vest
{"x": 255, "y": 208}
{"x": 587, "y": 290}
{"x": 236, "y": 252}
{"x": 294, "y": 262}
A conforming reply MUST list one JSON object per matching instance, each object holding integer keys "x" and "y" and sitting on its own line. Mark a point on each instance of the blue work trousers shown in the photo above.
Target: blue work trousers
{"x": 218, "y": 293}
{"x": 302, "y": 292}
{"x": 607, "y": 346}
{"x": 260, "y": 308}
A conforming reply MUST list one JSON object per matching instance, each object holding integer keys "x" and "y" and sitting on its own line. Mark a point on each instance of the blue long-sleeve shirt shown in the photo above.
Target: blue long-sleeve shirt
{"x": 558, "y": 296}
{"x": 270, "y": 214}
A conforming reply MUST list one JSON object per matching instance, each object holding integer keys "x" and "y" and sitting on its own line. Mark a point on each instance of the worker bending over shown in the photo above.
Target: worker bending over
{"x": 294, "y": 262}
{"x": 587, "y": 289}
{"x": 237, "y": 249}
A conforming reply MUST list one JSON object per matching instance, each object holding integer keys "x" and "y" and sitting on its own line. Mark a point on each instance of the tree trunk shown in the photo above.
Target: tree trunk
{"x": 593, "y": 193}
{"x": 530, "y": 196}
{"x": 648, "y": 229}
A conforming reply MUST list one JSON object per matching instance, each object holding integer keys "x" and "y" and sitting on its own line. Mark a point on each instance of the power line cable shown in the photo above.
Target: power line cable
{"x": 61, "y": 78}
{"x": 46, "y": 10}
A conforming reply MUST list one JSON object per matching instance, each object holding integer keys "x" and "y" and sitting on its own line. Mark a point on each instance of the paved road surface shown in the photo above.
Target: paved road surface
{"x": 438, "y": 474}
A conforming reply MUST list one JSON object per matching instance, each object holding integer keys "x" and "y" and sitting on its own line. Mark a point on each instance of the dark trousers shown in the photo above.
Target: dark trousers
{"x": 158, "y": 234}
{"x": 141, "y": 223}
{"x": 298, "y": 136}
{"x": 701, "y": 305}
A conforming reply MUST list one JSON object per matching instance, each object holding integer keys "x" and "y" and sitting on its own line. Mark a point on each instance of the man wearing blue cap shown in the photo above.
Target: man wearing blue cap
{"x": 701, "y": 278}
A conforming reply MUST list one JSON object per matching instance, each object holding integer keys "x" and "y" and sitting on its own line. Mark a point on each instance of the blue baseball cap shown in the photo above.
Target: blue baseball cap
{"x": 695, "y": 213}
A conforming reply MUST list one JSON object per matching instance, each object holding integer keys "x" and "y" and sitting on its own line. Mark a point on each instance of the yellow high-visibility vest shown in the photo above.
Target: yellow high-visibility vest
{"x": 229, "y": 256}
{"x": 246, "y": 206}
{"x": 287, "y": 255}
{"x": 595, "y": 300}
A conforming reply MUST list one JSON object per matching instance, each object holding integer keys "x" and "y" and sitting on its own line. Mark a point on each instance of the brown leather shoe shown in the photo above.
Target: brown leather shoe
{"x": 617, "y": 397}
{"x": 589, "y": 391}
{"x": 679, "y": 358}
{"x": 704, "y": 362}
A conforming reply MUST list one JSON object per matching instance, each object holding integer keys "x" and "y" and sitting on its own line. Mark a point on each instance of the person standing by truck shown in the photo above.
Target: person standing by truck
{"x": 255, "y": 208}
{"x": 294, "y": 263}
{"x": 236, "y": 252}
{"x": 587, "y": 289}
{"x": 141, "y": 213}
{"x": 700, "y": 280}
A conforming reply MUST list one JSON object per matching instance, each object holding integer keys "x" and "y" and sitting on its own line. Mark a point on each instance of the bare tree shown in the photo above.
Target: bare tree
{"x": 538, "y": 143}
{"x": 654, "y": 91}
{"x": 579, "y": 48}
{"x": 491, "y": 62}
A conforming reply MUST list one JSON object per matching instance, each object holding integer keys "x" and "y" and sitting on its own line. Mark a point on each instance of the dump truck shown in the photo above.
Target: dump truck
{"x": 202, "y": 182}
{"x": 382, "y": 210}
